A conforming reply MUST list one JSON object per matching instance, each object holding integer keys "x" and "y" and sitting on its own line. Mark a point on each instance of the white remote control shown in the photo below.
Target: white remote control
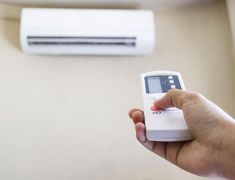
{"x": 166, "y": 125}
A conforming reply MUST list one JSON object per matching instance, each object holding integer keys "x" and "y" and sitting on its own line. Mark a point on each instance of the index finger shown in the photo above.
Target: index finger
{"x": 174, "y": 98}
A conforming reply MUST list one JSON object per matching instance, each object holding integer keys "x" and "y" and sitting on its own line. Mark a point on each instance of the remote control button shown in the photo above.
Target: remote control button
{"x": 171, "y": 109}
{"x": 171, "y": 82}
{"x": 173, "y": 87}
{"x": 170, "y": 77}
{"x": 153, "y": 108}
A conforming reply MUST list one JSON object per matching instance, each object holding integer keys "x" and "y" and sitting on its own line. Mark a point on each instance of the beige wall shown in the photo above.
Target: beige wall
{"x": 231, "y": 12}
{"x": 57, "y": 125}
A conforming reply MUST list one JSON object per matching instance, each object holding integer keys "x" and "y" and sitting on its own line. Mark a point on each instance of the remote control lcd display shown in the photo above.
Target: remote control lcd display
{"x": 154, "y": 84}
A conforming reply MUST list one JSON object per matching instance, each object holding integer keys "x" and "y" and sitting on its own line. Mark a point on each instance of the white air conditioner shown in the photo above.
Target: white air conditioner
{"x": 87, "y": 32}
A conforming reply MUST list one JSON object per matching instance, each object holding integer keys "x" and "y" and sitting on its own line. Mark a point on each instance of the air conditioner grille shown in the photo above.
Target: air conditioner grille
{"x": 81, "y": 41}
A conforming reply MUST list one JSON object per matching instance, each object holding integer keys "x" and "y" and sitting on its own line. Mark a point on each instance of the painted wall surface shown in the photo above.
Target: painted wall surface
{"x": 231, "y": 12}
{"x": 65, "y": 118}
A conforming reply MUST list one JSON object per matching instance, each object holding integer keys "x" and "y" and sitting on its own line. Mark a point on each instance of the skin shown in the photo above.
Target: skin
{"x": 211, "y": 152}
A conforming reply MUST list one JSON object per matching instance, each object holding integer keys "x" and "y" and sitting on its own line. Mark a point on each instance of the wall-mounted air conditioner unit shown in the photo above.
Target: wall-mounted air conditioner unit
{"x": 87, "y": 32}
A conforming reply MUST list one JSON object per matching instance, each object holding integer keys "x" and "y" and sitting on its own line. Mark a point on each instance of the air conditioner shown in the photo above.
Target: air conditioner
{"x": 87, "y": 32}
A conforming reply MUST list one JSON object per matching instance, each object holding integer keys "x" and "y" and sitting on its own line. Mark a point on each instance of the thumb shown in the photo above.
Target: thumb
{"x": 174, "y": 98}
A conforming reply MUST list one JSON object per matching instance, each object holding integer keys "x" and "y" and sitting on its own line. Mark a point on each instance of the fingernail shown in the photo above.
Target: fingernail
{"x": 154, "y": 108}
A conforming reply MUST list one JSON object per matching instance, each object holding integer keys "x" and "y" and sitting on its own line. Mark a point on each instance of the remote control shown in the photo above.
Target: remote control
{"x": 166, "y": 125}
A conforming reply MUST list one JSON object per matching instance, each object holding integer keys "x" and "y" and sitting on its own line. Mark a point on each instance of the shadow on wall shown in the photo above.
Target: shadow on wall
{"x": 11, "y": 30}
{"x": 11, "y": 8}
{"x": 165, "y": 4}
{"x": 12, "y": 12}
{"x": 231, "y": 10}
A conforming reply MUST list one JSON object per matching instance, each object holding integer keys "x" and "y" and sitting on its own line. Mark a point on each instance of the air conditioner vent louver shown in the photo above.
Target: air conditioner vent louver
{"x": 85, "y": 41}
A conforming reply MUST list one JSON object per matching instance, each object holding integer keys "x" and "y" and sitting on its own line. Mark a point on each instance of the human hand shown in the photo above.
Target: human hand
{"x": 212, "y": 152}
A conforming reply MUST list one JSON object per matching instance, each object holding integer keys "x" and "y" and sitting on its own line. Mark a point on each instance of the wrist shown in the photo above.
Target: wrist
{"x": 225, "y": 156}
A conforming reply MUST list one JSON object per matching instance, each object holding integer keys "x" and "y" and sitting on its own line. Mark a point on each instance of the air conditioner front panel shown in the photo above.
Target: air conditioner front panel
{"x": 89, "y": 32}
